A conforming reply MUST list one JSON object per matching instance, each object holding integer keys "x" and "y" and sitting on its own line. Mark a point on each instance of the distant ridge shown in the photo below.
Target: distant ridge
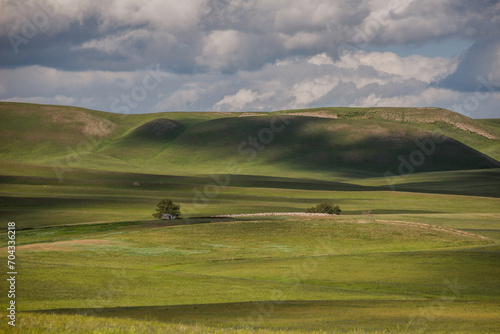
{"x": 367, "y": 141}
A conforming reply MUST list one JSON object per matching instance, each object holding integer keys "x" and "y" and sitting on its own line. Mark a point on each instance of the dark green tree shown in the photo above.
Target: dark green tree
{"x": 165, "y": 206}
{"x": 325, "y": 208}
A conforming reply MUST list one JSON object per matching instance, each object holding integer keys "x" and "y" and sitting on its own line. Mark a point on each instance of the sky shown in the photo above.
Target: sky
{"x": 252, "y": 55}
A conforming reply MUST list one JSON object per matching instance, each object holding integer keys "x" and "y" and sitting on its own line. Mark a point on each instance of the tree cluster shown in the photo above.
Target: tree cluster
{"x": 325, "y": 208}
{"x": 165, "y": 206}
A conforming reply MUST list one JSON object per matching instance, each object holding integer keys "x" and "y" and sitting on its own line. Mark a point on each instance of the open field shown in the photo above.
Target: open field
{"x": 38, "y": 199}
{"x": 308, "y": 273}
{"x": 413, "y": 252}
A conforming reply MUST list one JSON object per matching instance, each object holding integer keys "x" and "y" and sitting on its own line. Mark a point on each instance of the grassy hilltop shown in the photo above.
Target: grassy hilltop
{"x": 327, "y": 142}
{"x": 414, "y": 251}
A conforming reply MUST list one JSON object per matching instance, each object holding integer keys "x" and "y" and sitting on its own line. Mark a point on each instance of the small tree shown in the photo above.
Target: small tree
{"x": 325, "y": 208}
{"x": 165, "y": 206}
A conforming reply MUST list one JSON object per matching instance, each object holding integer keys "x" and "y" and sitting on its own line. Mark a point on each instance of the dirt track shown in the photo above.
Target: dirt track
{"x": 301, "y": 214}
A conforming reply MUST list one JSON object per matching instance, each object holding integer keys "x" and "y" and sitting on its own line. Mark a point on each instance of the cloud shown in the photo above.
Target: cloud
{"x": 218, "y": 35}
{"x": 479, "y": 68}
{"x": 320, "y": 59}
{"x": 182, "y": 99}
{"x": 417, "y": 67}
{"x": 307, "y": 92}
{"x": 238, "y": 101}
{"x": 419, "y": 98}
{"x": 58, "y": 99}
{"x": 354, "y": 79}
{"x": 246, "y": 54}
{"x": 222, "y": 49}
{"x": 417, "y": 22}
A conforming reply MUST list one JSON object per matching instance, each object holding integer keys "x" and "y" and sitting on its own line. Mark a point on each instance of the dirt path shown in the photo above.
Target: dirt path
{"x": 300, "y": 214}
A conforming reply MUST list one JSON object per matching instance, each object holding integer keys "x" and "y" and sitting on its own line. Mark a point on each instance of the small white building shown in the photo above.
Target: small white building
{"x": 168, "y": 216}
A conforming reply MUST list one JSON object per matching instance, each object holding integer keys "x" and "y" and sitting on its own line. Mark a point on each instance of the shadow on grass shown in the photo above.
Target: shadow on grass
{"x": 409, "y": 315}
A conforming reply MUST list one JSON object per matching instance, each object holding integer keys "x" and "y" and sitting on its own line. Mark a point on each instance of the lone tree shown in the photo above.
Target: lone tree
{"x": 165, "y": 206}
{"x": 325, "y": 208}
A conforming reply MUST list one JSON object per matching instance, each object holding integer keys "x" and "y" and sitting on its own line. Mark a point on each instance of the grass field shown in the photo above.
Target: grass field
{"x": 297, "y": 274}
{"x": 412, "y": 253}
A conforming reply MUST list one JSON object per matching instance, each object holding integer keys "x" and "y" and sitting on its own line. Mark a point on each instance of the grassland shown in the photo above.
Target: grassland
{"x": 412, "y": 253}
{"x": 295, "y": 274}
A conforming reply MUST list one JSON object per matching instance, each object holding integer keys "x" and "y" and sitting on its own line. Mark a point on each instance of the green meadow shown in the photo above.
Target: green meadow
{"x": 415, "y": 252}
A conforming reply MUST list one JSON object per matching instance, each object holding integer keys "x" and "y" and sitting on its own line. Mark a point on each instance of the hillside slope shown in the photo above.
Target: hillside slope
{"x": 309, "y": 143}
{"x": 362, "y": 141}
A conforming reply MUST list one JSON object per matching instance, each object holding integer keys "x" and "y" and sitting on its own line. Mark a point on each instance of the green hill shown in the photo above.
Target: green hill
{"x": 331, "y": 141}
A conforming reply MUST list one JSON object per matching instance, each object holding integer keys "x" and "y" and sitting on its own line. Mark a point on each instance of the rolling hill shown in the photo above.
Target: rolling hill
{"x": 331, "y": 141}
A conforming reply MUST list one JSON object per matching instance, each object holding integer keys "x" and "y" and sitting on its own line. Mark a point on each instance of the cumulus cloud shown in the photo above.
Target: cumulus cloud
{"x": 182, "y": 99}
{"x": 246, "y": 54}
{"x": 206, "y": 35}
{"x": 479, "y": 68}
{"x": 419, "y": 98}
{"x": 417, "y": 67}
{"x": 356, "y": 79}
{"x": 238, "y": 101}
